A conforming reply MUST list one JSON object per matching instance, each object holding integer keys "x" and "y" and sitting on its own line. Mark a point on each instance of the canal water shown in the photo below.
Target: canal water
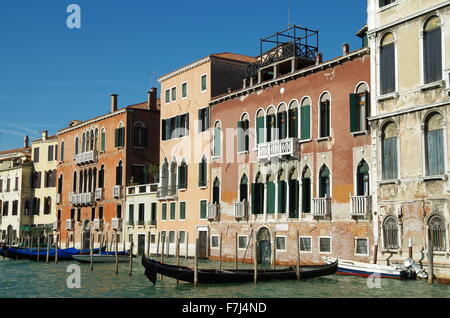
{"x": 25, "y": 279}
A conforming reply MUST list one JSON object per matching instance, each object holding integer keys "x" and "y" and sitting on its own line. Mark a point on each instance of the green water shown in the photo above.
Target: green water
{"x": 30, "y": 279}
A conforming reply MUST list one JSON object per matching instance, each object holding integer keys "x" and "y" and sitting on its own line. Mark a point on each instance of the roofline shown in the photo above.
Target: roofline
{"x": 301, "y": 72}
{"x": 91, "y": 121}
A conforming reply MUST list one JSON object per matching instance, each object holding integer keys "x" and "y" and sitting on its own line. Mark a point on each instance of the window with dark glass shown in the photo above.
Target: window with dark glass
{"x": 432, "y": 50}
{"x": 139, "y": 135}
{"x": 434, "y": 143}
{"x": 389, "y": 152}
{"x": 387, "y": 64}
{"x": 324, "y": 116}
{"x": 203, "y": 117}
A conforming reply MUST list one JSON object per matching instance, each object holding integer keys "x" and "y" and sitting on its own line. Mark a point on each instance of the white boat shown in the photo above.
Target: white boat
{"x": 101, "y": 258}
{"x": 347, "y": 267}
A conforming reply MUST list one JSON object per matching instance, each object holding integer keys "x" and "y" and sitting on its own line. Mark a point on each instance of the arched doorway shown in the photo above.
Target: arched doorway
{"x": 264, "y": 250}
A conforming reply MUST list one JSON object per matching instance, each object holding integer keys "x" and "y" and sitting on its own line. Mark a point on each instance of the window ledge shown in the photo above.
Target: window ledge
{"x": 243, "y": 152}
{"x": 433, "y": 85}
{"x": 323, "y": 139}
{"x": 304, "y": 141}
{"x": 203, "y": 187}
{"x": 434, "y": 178}
{"x": 385, "y": 97}
{"x": 393, "y": 251}
{"x": 182, "y": 189}
{"x": 362, "y": 132}
{"x": 393, "y": 181}
{"x": 215, "y": 157}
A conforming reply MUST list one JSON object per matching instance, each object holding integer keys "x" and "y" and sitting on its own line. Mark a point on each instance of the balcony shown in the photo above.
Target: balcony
{"x": 168, "y": 192}
{"x": 116, "y": 224}
{"x": 86, "y": 157}
{"x": 241, "y": 210}
{"x": 98, "y": 224}
{"x": 81, "y": 198}
{"x": 322, "y": 207}
{"x": 279, "y": 148}
{"x": 70, "y": 224}
{"x": 360, "y": 205}
{"x": 99, "y": 194}
{"x": 151, "y": 223}
{"x": 117, "y": 191}
{"x": 143, "y": 189}
{"x": 213, "y": 211}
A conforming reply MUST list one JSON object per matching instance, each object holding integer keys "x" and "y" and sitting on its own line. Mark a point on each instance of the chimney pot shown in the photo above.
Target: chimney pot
{"x": 114, "y": 103}
{"x": 152, "y": 98}
{"x": 345, "y": 49}
{"x": 229, "y": 90}
{"x": 26, "y": 142}
{"x": 244, "y": 83}
{"x": 319, "y": 58}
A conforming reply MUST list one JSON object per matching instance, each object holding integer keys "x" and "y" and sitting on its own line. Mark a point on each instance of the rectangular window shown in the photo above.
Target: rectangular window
{"x": 387, "y": 69}
{"x": 242, "y": 242}
{"x": 182, "y": 237}
{"x": 1, "y": 185}
{"x": 131, "y": 214}
{"x": 184, "y": 90}
{"x": 182, "y": 210}
{"x": 361, "y": 246}
{"x": 281, "y": 243}
{"x": 324, "y": 245}
{"x": 174, "y": 94}
{"x": 432, "y": 54}
{"x": 15, "y": 207}
{"x": 8, "y": 185}
{"x": 152, "y": 238}
{"x": 305, "y": 244}
{"x": 100, "y": 212}
{"x": 141, "y": 213}
{"x": 50, "y": 153}
{"x": 203, "y": 118}
{"x": 203, "y": 210}
{"x": 172, "y": 211}
{"x": 164, "y": 212}
{"x": 389, "y": 153}
{"x": 167, "y": 96}
{"x": 16, "y": 185}
{"x": 203, "y": 83}
{"x": 120, "y": 137}
{"x": 171, "y": 237}
{"x": 383, "y": 3}
{"x": 36, "y": 155}
{"x": 153, "y": 216}
{"x": 214, "y": 241}
{"x": 118, "y": 211}
{"x": 5, "y": 208}
{"x": 325, "y": 119}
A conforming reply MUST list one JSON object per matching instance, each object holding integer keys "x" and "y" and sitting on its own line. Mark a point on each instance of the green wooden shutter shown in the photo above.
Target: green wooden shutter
{"x": 217, "y": 141}
{"x": 164, "y": 211}
{"x": 254, "y": 200}
{"x": 182, "y": 210}
{"x": 281, "y": 197}
{"x": 270, "y": 198}
{"x": 172, "y": 211}
{"x": 260, "y": 130}
{"x": 305, "y": 122}
{"x": 202, "y": 209}
{"x": 240, "y": 133}
{"x": 353, "y": 113}
{"x": 328, "y": 118}
{"x": 116, "y": 137}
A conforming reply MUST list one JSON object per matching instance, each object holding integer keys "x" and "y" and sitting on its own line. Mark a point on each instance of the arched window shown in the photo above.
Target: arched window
{"x": 217, "y": 139}
{"x": 165, "y": 175}
{"x": 119, "y": 174}
{"x": 282, "y": 121}
{"x": 387, "y": 64}
{"x": 103, "y": 140}
{"x": 91, "y": 141}
{"x": 173, "y": 176}
{"x": 324, "y": 182}
{"x": 359, "y": 109}
{"x": 258, "y": 195}
{"x": 271, "y": 125}
{"x": 390, "y": 232}
{"x": 83, "y": 143}
{"x": 432, "y": 50}
{"x": 305, "y": 120}
{"x": 389, "y": 151}
{"x": 216, "y": 191}
{"x": 243, "y": 189}
{"x": 94, "y": 179}
{"x": 243, "y": 127}
{"x": 294, "y": 198}
{"x": 96, "y": 139}
{"x": 270, "y": 186}
{"x": 434, "y": 144}
{"x": 324, "y": 116}
{"x": 62, "y": 151}
{"x": 293, "y": 119}
{"x": 47, "y": 205}
{"x": 183, "y": 175}
{"x": 260, "y": 127}
{"x": 306, "y": 190}
{"x": 77, "y": 143}
{"x": 362, "y": 179}
{"x": 139, "y": 135}
{"x": 101, "y": 177}
{"x": 437, "y": 233}
{"x": 282, "y": 192}
{"x": 202, "y": 172}
{"x": 74, "y": 187}
{"x": 60, "y": 184}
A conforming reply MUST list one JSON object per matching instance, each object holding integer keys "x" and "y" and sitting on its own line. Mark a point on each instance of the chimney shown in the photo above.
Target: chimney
{"x": 114, "y": 103}
{"x": 319, "y": 57}
{"x": 345, "y": 49}
{"x": 229, "y": 90}
{"x": 44, "y": 135}
{"x": 152, "y": 98}
{"x": 244, "y": 83}
{"x": 26, "y": 142}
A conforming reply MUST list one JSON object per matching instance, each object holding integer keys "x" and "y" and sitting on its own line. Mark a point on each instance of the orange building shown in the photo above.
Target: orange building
{"x": 98, "y": 158}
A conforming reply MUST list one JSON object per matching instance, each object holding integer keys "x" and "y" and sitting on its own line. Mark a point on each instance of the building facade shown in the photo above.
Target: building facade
{"x": 292, "y": 160}
{"x": 15, "y": 193}
{"x": 98, "y": 159}
{"x": 185, "y": 147}
{"x": 410, "y": 75}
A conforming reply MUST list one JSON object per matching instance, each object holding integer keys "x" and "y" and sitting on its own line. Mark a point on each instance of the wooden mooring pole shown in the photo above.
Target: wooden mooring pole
{"x": 131, "y": 258}
{"x": 48, "y": 248}
{"x": 92, "y": 250}
{"x": 410, "y": 248}
{"x": 298, "y": 256}
{"x": 178, "y": 251}
{"x": 430, "y": 261}
{"x": 148, "y": 243}
{"x": 236, "y": 252}
{"x": 163, "y": 241}
{"x": 38, "y": 247}
{"x": 255, "y": 261}
{"x": 274, "y": 250}
{"x": 117, "y": 256}
{"x": 157, "y": 244}
{"x": 56, "y": 248}
{"x": 196, "y": 264}
{"x": 220, "y": 252}
{"x": 187, "y": 246}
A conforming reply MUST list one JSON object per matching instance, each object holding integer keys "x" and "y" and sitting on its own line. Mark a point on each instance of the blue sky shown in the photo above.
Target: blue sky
{"x": 50, "y": 74}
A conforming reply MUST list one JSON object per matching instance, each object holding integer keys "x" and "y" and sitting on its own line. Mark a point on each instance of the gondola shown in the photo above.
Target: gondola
{"x": 215, "y": 276}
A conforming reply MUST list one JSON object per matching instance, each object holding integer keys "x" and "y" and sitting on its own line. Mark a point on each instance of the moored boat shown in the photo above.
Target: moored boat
{"x": 215, "y": 276}
{"x": 32, "y": 254}
{"x": 101, "y": 258}
{"x": 347, "y": 267}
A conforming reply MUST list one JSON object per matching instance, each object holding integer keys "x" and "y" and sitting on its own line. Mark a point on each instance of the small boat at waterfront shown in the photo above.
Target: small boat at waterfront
{"x": 215, "y": 276}
{"x": 102, "y": 258}
{"x": 32, "y": 254}
{"x": 347, "y": 267}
